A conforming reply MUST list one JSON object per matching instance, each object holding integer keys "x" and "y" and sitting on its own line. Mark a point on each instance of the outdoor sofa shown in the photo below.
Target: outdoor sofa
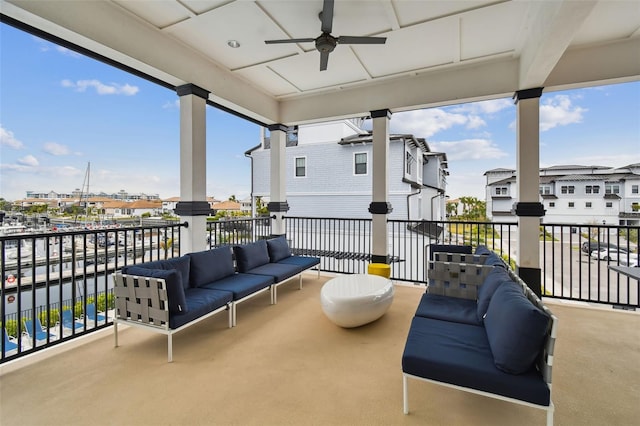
{"x": 166, "y": 296}
{"x": 481, "y": 329}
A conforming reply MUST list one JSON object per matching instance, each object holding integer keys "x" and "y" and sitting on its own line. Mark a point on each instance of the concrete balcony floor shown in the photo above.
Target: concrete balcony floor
{"x": 287, "y": 364}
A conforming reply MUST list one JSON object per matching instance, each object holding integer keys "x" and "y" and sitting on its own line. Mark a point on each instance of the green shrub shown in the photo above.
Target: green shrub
{"x": 53, "y": 318}
{"x": 12, "y": 327}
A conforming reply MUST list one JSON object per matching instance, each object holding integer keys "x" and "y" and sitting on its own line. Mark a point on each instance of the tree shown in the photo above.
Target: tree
{"x": 232, "y": 198}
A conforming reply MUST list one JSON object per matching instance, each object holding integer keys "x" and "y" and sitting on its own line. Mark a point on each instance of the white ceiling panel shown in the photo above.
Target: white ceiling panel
{"x": 432, "y": 43}
{"x": 303, "y": 71}
{"x": 158, "y": 13}
{"x": 491, "y": 30}
{"x": 625, "y": 15}
{"x": 211, "y": 31}
{"x": 410, "y": 12}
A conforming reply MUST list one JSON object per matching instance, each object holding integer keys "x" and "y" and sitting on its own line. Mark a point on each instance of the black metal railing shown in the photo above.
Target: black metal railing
{"x": 71, "y": 270}
{"x": 57, "y": 285}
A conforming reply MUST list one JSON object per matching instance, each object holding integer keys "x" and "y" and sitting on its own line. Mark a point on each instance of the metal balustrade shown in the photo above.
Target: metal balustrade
{"x": 72, "y": 269}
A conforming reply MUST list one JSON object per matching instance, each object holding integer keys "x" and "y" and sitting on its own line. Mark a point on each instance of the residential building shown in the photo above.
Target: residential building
{"x": 572, "y": 194}
{"x": 329, "y": 173}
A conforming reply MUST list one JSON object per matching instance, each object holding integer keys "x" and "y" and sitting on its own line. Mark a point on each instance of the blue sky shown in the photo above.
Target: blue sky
{"x": 60, "y": 111}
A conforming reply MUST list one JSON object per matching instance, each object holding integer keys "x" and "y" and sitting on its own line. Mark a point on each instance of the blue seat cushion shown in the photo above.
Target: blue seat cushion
{"x": 250, "y": 255}
{"x": 241, "y": 285}
{"x": 459, "y": 354}
{"x": 278, "y": 249}
{"x": 181, "y": 264}
{"x": 516, "y": 329}
{"x": 449, "y": 248}
{"x": 210, "y": 265}
{"x": 201, "y": 301}
{"x": 448, "y": 309}
{"x": 304, "y": 262}
{"x": 279, "y": 271}
{"x": 482, "y": 249}
{"x": 496, "y": 277}
{"x": 173, "y": 281}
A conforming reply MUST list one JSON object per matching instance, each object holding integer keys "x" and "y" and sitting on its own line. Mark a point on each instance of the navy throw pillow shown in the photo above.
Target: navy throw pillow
{"x": 278, "y": 249}
{"x": 210, "y": 265}
{"x": 515, "y": 328}
{"x": 182, "y": 265}
{"x": 251, "y": 255}
{"x": 496, "y": 277}
{"x": 173, "y": 281}
{"x": 482, "y": 249}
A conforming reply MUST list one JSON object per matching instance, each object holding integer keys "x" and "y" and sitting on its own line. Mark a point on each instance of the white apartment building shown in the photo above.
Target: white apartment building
{"x": 572, "y": 194}
{"x": 329, "y": 173}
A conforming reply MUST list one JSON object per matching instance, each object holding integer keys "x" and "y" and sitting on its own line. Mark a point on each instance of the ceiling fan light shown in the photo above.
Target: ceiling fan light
{"x": 233, "y": 44}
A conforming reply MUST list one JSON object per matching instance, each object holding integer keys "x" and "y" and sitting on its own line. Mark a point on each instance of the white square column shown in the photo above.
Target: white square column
{"x": 380, "y": 207}
{"x": 529, "y": 209}
{"x": 193, "y": 207}
{"x": 278, "y": 205}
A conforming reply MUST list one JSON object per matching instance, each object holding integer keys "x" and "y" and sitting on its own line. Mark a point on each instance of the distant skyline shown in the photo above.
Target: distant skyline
{"x": 60, "y": 110}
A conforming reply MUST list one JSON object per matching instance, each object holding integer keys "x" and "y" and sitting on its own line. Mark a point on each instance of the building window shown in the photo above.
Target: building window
{"x": 360, "y": 163}
{"x": 301, "y": 166}
{"x": 611, "y": 189}
{"x": 567, "y": 189}
{"x": 634, "y": 189}
{"x": 609, "y": 204}
{"x": 588, "y": 204}
{"x": 592, "y": 189}
{"x": 545, "y": 190}
{"x": 409, "y": 163}
{"x": 552, "y": 204}
{"x": 501, "y": 190}
{"x": 571, "y": 204}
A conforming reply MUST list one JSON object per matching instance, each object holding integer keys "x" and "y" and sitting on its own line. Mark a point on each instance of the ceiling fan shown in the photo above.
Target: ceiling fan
{"x": 325, "y": 43}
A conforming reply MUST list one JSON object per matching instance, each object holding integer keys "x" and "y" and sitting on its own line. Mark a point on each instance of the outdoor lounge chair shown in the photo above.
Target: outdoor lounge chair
{"x": 92, "y": 315}
{"x": 9, "y": 345}
{"x": 40, "y": 334}
{"x": 69, "y": 322}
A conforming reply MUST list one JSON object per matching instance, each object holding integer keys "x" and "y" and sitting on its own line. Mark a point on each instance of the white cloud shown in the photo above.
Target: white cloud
{"x": 28, "y": 160}
{"x": 426, "y": 122}
{"x": 55, "y": 148}
{"x": 8, "y": 139}
{"x": 558, "y": 111}
{"x": 101, "y": 88}
{"x": 172, "y": 104}
{"x": 469, "y": 149}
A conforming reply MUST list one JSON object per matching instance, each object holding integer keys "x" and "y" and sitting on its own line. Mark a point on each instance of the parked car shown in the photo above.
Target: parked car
{"x": 618, "y": 255}
{"x": 589, "y": 246}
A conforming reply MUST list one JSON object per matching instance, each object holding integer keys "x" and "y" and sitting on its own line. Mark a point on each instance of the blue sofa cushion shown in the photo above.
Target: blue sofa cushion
{"x": 201, "y": 302}
{"x": 181, "y": 264}
{"x": 241, "y": 285}
{"x": 279, "y": 271}
{"x": 173, "y": 280}
{"x": 496, "y": 277}
{"x": 304, "y": 262}
{"x": 249, "y": 256}
{"x": 210, "y": 265}
{"x": 278, "y": 249}
{"x": 459, "y": 354}
{"x": 449, "y": 248}
{"x": 516, "y": 329}
{"x": 448, "y": 309}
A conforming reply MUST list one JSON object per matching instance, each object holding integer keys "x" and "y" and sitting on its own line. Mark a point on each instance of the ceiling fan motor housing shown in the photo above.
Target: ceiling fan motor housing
{"x": 326, "y": 43}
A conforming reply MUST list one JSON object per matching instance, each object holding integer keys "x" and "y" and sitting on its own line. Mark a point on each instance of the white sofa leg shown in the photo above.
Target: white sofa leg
{"x": 300, "y": 281}
{"x": 550, "y": 415}
{"x": 170, "y": 347}
{"x": 115, "y": 332}
{"x": 405, "y": 394}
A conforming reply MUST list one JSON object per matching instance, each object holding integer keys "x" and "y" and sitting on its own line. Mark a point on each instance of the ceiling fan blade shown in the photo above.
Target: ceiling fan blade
{"x": 324, "y": 60}
{"x": 290, "y": 40}
{"x": 327, "y": 16}
{"x": 361, "y": 40}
